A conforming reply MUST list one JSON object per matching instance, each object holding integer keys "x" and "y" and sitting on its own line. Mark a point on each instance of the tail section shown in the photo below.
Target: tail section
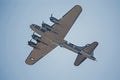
{"x": 80, "y": 58}
{"x": 90, "y": 48}
{"x": 86, "y": 52}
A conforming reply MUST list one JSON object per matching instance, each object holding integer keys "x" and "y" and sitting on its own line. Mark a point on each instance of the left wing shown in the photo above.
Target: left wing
{"x": 42, "y": 48}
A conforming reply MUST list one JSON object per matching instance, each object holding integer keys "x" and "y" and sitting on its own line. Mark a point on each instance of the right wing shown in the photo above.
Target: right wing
{"x": 65, "y": 23}
{"x": 80, "y": 58}
{"x": 42, "y": 48}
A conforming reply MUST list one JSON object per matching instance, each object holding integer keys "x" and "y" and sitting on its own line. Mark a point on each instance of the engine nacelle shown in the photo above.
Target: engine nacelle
{"x": 34, "y": 25}
{"x": 32, "y": 44}
{"x": 54, "y": 20}
{"x": 48, "y": 27}
{"x": 37, "y": 38}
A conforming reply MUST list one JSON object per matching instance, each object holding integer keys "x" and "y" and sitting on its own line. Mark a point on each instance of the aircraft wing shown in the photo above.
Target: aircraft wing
{"x": 56, "y": 35}
{"x": 42, "y": 48}
{"x": 66, "y": 22}
{"x": 60, "y": 30}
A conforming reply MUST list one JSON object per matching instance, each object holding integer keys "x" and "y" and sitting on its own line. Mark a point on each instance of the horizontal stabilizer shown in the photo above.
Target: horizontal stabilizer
{"x": 87, "y": 50}
{"x": 90, "y": 48}
{"x": 80, "y": 58}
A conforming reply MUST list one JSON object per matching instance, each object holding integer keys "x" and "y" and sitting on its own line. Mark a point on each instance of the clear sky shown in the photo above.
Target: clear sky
{"x": 99, "y": 21}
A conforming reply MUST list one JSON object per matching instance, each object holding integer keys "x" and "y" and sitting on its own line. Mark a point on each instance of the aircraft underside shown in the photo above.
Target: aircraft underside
{"x": 49, "y": 37}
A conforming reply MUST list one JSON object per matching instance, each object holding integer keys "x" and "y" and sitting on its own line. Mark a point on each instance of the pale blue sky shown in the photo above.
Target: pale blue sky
{"x": 99, "y": 21}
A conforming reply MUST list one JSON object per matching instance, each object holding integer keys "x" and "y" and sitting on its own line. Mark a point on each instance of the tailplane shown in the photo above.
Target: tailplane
{"x": 86, "y": 52}
{"x": 80, "y": 58}
{"x": 90, "y": 48}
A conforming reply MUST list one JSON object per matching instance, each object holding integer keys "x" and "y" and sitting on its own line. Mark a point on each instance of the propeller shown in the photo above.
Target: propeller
{"x": 51, "y": 15}
{"x": 33, "y": 33}
{"x": 42, "y": 22}
{"x": 30, "y": 40}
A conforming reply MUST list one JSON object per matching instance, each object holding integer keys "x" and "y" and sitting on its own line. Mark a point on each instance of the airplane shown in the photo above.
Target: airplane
{"x": 53, "y": 36}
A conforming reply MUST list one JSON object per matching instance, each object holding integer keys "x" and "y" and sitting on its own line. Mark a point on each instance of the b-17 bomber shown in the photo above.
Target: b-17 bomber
{"x": 53, "y": 36}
